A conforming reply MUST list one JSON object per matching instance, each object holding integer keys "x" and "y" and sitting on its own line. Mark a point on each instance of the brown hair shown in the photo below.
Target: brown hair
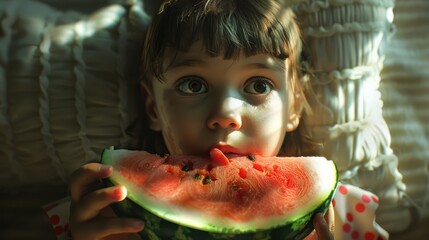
{"x": 227, "y": 27}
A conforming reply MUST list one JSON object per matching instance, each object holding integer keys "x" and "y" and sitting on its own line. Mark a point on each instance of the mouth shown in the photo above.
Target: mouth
{"x": 228, "y": 149}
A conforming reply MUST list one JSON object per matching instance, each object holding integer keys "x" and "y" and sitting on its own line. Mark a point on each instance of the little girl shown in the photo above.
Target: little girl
{"x": 216, "y": 73}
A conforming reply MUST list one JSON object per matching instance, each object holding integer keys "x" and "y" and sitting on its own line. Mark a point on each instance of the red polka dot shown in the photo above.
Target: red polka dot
{"x": 58, "y": 230}
{"x": 343, "y": 189}
{"x": 349, "y": 217}
{"x": 355, "y": 234}
{"x": 374, "y": 198}
{"x": 346, "y": 227}
{"x": 369, "y": 236}
{"x": 66, "y": 228}
{"x": 366, "y": 199}
{"x": 333, "y": 202}
{"x": 55, "y": 219}
{"x": 360, "y": 207}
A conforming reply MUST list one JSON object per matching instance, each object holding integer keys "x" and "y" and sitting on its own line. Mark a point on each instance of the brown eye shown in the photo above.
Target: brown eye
{"x": 258, "y": 86}
{"x": 192, "y": 86}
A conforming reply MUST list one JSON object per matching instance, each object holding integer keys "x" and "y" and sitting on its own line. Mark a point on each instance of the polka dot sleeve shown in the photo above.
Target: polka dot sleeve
{"x": 58, "y": 213}
{"x": 355, "y": 214}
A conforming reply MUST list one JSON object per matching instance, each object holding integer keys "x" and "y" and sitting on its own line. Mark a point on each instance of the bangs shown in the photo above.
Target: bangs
{"x": 225, "y": 28}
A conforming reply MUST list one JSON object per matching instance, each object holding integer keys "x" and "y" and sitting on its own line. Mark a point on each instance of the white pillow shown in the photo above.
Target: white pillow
{"x": 348, "y": 42}
{"x": 69, "y": 87}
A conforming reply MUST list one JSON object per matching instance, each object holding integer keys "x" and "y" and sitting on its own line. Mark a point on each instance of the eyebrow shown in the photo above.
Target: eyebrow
{"x": 259, "y": 66}
{"x": 263, "y": 65}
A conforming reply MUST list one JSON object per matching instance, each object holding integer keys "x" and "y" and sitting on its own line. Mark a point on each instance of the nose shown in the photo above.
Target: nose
{"x": 227, "y": 115}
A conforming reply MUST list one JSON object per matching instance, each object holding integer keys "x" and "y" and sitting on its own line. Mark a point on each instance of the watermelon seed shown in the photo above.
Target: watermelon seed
{"x": 207, "y": 180}
{"x": 186, "y": 168}
{"x": 251, "y": 157}
{"x": 197, "y": 176}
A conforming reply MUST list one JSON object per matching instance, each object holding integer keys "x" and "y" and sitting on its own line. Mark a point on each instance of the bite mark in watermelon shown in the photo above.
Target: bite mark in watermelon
{"x": 222, "y": 196}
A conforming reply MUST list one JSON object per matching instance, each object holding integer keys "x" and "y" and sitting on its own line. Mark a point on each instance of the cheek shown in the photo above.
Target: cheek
{"x": 182, "y": 119}
{"x": 267, "y": 125}
{"x": 180, "y": 128}
{"x": 273, "y": 115}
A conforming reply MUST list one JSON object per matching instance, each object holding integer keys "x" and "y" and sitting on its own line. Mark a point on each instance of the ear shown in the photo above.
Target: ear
{"x": 150, "y": 107}
{"x": 295, "y": 109}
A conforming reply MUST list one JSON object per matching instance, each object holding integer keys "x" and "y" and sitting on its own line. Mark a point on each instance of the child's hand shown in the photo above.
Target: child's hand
{"x": 324, "y": 226}
{"x": 90, "y": 215}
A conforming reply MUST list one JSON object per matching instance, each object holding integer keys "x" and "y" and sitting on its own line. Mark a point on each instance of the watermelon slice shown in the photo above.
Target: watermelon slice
{"x": 222, "y": 196}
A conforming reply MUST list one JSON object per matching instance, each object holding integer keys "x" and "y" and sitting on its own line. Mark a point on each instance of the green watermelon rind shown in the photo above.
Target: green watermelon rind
{"x": 157, "y": 227}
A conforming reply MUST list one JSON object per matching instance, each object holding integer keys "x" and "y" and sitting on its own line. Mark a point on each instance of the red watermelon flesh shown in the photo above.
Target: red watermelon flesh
{"x": 224, "y": 192}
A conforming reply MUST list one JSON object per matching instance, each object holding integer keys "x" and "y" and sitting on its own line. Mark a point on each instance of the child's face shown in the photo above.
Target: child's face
{"x": 238, "y": 105}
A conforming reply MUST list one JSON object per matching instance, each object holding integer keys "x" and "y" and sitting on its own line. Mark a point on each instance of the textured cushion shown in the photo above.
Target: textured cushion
{"x": 346, "y": 42}
{"x": 373, "y": 123}
{"x": 68, "y": 86}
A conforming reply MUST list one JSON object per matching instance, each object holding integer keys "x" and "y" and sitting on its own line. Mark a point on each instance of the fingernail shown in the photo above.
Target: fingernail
{"x": 119, "y": 193}
{"x": 105, "y": 169}
{"x": 137, "y": 224}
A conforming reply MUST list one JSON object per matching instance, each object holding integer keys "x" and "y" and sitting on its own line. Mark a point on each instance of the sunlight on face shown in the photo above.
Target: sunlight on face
{"x": 239, "y": 105}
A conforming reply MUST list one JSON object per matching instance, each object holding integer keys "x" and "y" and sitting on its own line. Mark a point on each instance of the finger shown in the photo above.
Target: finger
{"x": 82, "y": 180}
{"x": 330, "y": 218}
{"x": 103, "y": 227}
{"x": 322, "y": 228}
{"x": 91, "y": 205}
